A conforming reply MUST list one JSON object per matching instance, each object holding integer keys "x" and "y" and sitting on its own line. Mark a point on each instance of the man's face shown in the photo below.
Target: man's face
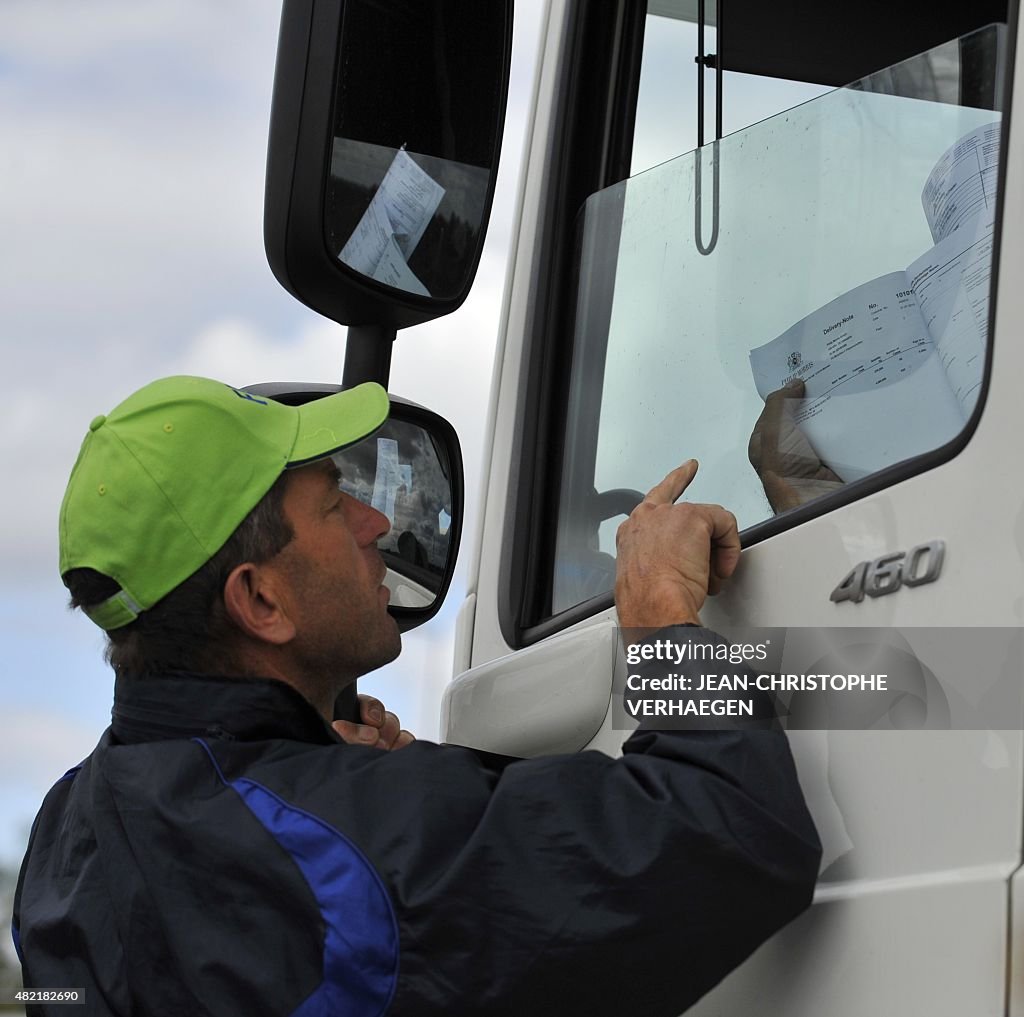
{"x": 335, "y": 575}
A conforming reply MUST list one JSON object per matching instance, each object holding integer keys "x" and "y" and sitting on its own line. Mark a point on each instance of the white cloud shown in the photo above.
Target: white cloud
{"x": 236, "y": 351}
{"x": 220, "y": 41}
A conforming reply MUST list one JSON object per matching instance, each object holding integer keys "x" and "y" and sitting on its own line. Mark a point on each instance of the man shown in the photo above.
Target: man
{"x": 224, "y": 851}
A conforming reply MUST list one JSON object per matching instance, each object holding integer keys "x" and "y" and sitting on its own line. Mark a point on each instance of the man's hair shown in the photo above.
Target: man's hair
{"x": 189, "y": 629}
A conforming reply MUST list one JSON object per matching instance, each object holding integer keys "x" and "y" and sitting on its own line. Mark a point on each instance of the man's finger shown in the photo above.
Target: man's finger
{"x": 386, "y": 735}
{"x": 389, "y": 731}
{"x": 672, "y": 487}
{"x": 356, "y": 734}
{"x": 371, "y": 711}
{"x": 404, "y": 738}
{"x": 725, "y": 546}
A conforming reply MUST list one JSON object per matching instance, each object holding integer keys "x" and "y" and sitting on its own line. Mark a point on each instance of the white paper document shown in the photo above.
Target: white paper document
{"x": 390, "y": 477}
{"x": 893, "y": 367}
{"x": 392, "y": 270}
{"x": 962, "y": 187}
{"x": 952, "y": 282}
{"x": 393, "y": 225}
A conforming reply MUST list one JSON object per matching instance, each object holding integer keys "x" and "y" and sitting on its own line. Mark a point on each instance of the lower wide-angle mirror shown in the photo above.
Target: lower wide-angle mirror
{"x": 411, "y": 471}
{"x": 402, "y": 472}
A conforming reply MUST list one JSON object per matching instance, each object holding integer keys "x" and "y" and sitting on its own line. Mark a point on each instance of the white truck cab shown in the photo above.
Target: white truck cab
{"x": 656, "y": 295}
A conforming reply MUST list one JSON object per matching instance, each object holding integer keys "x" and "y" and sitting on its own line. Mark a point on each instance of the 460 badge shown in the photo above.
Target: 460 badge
{"x": 919, "y": 565}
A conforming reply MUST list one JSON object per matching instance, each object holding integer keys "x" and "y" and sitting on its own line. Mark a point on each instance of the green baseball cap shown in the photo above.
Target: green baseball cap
{"x": 165, "y": 478}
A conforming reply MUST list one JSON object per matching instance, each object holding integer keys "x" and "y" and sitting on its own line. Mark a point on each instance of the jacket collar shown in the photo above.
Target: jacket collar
{"x": 184, "y": 705}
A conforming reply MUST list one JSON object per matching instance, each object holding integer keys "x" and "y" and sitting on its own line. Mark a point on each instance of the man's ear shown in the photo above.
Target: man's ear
{"x": 253, "y": 599}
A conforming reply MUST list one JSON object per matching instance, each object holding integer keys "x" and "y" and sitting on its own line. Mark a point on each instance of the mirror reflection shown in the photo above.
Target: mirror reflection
{"x": 417, "y": 108}
{"x": 403, "y": 473}
{"x": 414, "y": 227}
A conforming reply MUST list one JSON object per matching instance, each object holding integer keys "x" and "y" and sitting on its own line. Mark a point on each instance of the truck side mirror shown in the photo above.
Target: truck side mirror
{"x": 411, "y": 470}
{"x": 384, "y": 139}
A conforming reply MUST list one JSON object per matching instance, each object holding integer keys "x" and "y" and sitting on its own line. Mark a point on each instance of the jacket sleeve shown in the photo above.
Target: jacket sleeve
{"x": 585, "y": 884}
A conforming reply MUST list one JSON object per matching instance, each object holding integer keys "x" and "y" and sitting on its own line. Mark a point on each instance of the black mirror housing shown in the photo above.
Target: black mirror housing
{"x": 411, "y": 470}
{"x": 384, "y": 140}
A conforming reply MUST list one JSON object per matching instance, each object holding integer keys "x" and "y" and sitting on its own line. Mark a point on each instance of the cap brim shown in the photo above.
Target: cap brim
{"x": 334, "y": 422}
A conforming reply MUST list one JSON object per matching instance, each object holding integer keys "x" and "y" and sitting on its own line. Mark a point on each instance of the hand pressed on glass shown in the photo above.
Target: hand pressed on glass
{"x": 789, "y": 468}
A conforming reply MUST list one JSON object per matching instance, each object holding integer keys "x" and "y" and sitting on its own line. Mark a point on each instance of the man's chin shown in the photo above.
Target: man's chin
{"x": 387, "y": 646}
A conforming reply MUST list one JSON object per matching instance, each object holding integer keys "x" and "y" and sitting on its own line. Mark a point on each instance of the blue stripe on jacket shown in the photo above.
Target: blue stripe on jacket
{"x": 360, "y": 962}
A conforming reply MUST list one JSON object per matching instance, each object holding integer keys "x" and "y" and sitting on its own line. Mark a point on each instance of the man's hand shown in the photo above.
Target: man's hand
{"x": 784, "y": 459}
{"x": 670, "y": 557}
{"x": 379, "y": 728}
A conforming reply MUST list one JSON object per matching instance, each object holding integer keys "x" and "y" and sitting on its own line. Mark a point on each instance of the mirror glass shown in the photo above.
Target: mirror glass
{"x": 404, "y": 473}
{"x": 419, "y": 95}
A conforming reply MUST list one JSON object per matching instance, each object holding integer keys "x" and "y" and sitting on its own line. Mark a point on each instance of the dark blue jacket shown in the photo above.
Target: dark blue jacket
{"x": 222, "y": 852}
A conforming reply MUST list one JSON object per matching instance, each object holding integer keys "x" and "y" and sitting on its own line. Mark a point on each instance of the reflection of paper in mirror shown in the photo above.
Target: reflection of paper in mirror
{"x": 444, "y": 520}
{"x": 393, "y": 224}
{"x": 393, "y": 271}
{"x": 391, "y": 475}
{"x": 410, "y": 197}
{"x": 368, "y": 242}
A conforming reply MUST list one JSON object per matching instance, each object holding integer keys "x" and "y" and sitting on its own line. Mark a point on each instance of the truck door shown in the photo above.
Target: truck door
{"x": 853, "y": 235}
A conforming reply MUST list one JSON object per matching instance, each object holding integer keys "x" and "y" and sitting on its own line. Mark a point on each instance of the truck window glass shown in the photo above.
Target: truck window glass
{"x": 837, "y": 327}
{"x": 666, "y": 109}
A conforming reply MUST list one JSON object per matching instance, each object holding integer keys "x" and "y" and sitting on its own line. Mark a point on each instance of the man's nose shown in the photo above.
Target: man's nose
{"x": 371, "y": 525}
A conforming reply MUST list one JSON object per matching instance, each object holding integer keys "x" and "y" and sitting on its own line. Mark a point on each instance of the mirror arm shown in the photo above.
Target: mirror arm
{"x": 368, "y": 355}
{"x": 367, "y": 358}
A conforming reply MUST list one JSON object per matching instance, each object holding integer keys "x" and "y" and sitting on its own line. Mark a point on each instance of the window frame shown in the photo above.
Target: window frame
{"x": 594, "y": 151}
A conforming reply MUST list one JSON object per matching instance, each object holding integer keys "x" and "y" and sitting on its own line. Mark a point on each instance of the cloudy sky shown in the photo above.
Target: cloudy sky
{"x": 134, "y": 135}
